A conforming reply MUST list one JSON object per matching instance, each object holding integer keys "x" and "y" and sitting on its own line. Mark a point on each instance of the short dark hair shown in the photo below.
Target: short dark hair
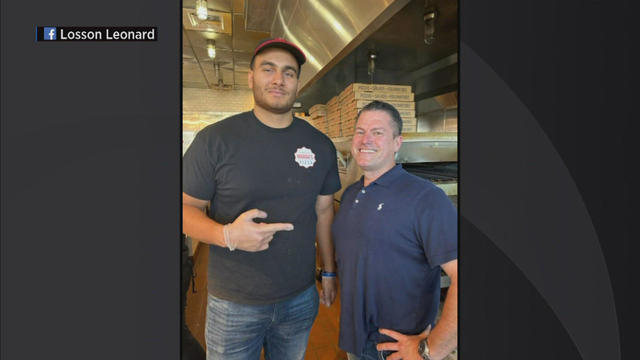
{"x": 389, "y": 109}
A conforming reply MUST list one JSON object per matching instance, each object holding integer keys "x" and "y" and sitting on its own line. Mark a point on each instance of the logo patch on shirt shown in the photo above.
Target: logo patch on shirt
{"x": 305, "y": 157}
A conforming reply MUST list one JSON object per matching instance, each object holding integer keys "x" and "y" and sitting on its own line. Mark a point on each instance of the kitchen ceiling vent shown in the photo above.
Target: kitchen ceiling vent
{"x": 217, "y": 21}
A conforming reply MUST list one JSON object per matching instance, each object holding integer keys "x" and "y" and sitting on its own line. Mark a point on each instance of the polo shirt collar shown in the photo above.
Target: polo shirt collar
{"x": 387, "y": 178}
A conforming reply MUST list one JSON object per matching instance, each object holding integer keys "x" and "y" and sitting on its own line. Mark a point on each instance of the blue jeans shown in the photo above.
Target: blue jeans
{"x": 238, "y": 331}
{"x": 370, "y": 353}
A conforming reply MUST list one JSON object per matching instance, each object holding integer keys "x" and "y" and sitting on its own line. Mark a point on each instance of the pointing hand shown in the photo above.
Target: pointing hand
{"x": 250, "y": 236}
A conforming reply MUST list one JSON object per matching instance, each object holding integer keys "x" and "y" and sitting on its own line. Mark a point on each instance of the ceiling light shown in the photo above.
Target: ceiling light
{"x": 211, "y": 48}
{"x": 201, "y": 9}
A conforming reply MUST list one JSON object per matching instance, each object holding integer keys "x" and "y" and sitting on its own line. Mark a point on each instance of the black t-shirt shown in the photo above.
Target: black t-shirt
{"x": 240, "y": 164}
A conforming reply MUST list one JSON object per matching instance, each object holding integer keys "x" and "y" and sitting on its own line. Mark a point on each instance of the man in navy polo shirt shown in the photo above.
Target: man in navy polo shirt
{"x": 393, "y": 233}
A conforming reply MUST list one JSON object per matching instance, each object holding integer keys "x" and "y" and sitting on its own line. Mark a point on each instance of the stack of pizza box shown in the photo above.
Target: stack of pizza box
{"x": 318, "y": 117}
{"x": 355, "y": 96}
{"x": 333, "y": 118}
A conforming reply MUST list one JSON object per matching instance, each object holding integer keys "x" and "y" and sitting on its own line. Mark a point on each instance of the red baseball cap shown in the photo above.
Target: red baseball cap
{"x": 282, "y": 44}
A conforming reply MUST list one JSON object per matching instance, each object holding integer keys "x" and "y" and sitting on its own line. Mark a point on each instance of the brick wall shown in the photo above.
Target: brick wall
{"x": 206, "y": 100}
{"x": 201, "y": 107}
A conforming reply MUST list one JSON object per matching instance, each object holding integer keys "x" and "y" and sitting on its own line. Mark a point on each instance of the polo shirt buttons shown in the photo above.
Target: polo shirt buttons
{"x": 363, "y": 191}
{"x": 357, "y": 201}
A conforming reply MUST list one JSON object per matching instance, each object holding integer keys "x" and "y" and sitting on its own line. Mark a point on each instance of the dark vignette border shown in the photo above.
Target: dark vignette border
{"x": 90, "y": 184}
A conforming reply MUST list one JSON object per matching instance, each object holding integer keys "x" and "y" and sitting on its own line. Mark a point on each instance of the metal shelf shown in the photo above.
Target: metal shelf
{"x": 416, "y": 147}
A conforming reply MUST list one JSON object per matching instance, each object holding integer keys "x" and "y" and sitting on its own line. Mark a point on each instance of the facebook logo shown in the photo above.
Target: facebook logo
{"x": 50, "y": 33}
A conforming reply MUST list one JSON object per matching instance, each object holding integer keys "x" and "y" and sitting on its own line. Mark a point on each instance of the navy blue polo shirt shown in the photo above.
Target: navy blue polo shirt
{"x": 390, "y": 238}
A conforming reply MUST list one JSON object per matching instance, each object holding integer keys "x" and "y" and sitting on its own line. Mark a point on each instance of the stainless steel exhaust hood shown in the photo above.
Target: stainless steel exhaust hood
{"x": 326, "y": 30}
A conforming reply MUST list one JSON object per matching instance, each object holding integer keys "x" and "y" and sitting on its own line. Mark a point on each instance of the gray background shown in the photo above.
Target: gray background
{"x": 548, "y": 195}
{"x": 90, "y": 184}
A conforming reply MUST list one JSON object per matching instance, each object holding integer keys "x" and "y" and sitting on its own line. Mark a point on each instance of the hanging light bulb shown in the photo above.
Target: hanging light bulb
{"x": 201, "y": 9}
{"x": 211, "y": 48}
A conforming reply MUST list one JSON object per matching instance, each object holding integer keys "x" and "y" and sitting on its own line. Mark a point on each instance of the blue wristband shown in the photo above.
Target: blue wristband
{"x": 328, "y": 274}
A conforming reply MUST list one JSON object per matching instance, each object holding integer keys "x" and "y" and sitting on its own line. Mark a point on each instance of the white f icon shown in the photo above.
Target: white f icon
{"x": 51, "y": 33}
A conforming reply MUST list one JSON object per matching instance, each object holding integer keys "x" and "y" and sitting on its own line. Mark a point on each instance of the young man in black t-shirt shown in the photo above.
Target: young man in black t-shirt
{"x": 270, "y": 179}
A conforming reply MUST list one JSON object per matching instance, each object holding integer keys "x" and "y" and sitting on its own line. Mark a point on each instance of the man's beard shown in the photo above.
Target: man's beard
{"x": 280, "y": 108}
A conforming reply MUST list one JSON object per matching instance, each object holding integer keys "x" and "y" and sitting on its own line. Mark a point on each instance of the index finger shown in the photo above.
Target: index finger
{"x": 277, "y": 227}
{"x": 394, "y": 334}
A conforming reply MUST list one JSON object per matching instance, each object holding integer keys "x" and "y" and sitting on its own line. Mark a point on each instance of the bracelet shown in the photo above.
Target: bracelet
{"x": 328, "y": 274}
{"x": 225, "y": 232}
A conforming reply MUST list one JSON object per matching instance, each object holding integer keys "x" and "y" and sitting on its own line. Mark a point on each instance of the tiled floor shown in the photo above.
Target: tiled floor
{"x": 323, "y": 342}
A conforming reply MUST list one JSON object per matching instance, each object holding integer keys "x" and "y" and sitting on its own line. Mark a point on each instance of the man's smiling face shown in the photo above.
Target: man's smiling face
{"x": 374, "y": 142}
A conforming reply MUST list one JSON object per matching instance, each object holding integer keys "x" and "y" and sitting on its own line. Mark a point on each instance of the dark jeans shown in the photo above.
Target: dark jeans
{"x": 370, "y": 353}
{"x": 238, "y": 331}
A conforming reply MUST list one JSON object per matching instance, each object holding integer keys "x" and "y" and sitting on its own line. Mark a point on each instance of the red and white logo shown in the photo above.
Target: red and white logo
{"x": 305, "y": 157}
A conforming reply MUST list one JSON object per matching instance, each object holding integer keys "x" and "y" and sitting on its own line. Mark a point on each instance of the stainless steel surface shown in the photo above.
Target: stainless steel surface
{"x": 428, "y": 147}
{"x": 325, "y": 30}
{"x": 440, "y": 120}
{"x": 431, "y": 68}
{"x": 438, "y": 114}
{"x": 402, "y": 57}
{"x": 336, "y": 36}
{"x": 449, "y": 188}
{"x": 259, "y": 15}
{"x": 328, "y": 30}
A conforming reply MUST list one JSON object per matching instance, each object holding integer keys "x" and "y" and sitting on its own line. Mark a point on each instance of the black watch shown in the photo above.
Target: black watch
{"x": 423, "y": 350}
